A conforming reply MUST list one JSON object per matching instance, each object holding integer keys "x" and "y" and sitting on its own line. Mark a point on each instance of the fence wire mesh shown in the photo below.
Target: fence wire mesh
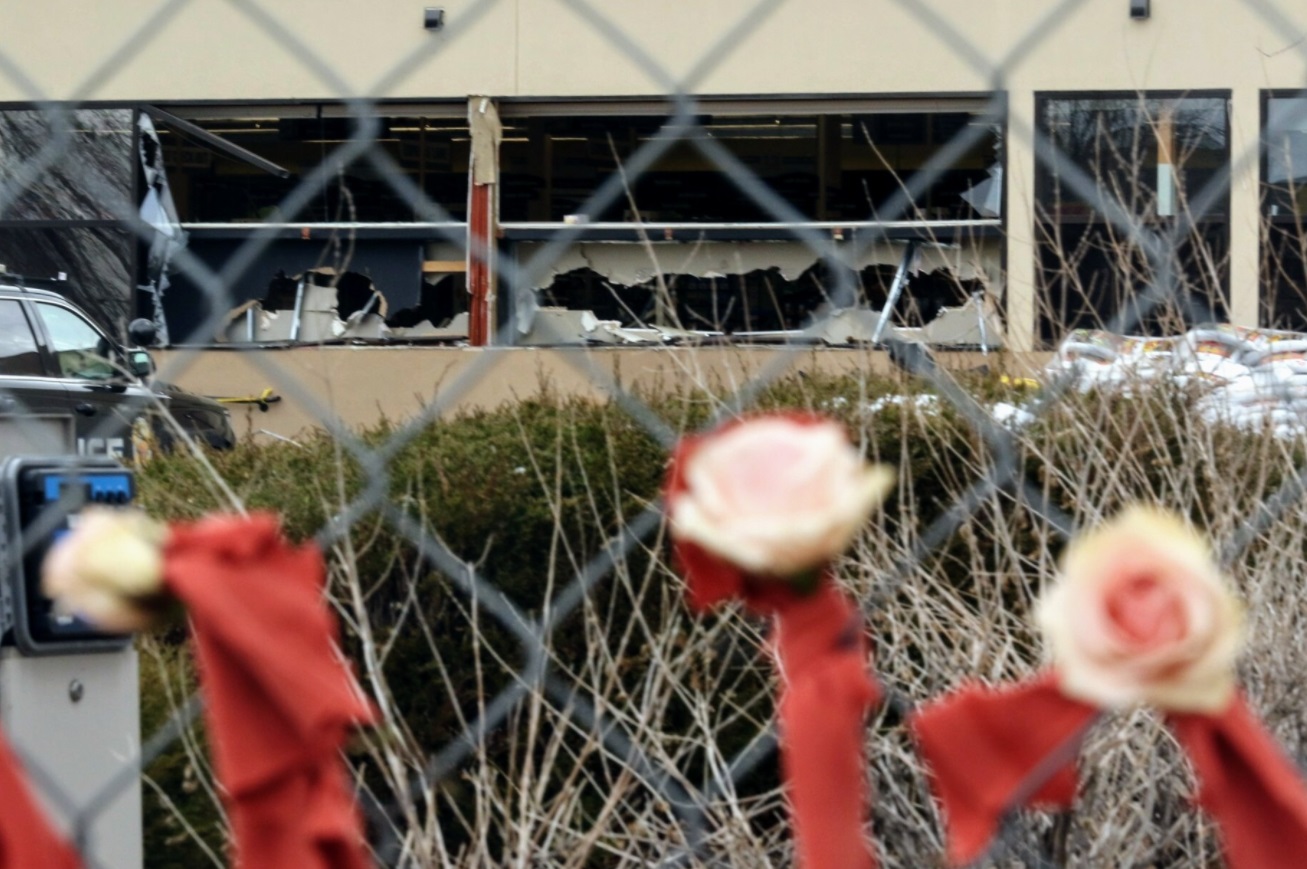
{"x": 594, "y": 723}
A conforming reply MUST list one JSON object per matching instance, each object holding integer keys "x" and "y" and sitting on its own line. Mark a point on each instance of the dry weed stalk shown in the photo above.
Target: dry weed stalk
{"x": 658, "y": 705}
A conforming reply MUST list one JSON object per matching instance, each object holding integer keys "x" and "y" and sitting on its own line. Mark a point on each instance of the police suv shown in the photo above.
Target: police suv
{"x": 66, "y": 387}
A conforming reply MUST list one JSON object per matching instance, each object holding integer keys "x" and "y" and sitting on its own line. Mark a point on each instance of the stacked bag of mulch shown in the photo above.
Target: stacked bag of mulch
{"x": 1251, "y": 378}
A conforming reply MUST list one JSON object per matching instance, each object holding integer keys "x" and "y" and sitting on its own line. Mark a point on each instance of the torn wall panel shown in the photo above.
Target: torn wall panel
{"x": 159, "y": 211}
{"x": 976, "y": 324}
{"x": 757, "y": 301}
{"x": 973, "y": 325}
{"x": 308, "y": 308}
{"x": 630, "y": 264}
{"x": 320, "y": 306}
{"x": 393, "y": 264}
{"x": 561, "y": 327}
{"x": 443, "y": 291}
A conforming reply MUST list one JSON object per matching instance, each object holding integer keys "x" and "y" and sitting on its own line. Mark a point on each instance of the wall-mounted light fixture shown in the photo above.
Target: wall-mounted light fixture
{"x": 1140, "y": 9}
{"x": 433, "y": 18}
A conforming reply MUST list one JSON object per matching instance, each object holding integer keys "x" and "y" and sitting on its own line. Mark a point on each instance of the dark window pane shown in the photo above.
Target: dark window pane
{"x": 1284, "y": 210}
{"x": 18, "y": 353}
{"x": 1286, "y": 146}
{"x": 1155, "y": 158}
{"x": 1150, "y": 154}
{"x": 824, "y": 167}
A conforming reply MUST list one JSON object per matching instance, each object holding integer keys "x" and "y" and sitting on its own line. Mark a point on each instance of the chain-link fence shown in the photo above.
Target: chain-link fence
{"x": 582, "y": 717}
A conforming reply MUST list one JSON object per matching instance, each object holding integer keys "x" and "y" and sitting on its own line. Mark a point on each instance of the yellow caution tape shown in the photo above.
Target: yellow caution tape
{"x": 263, "y": 399}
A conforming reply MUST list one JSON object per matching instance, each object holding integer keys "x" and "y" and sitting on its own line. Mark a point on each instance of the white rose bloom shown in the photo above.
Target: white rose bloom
{"x": 777, "y": 496}
{"x": 105, "y": 566}
{"x": 1143, "y": 615}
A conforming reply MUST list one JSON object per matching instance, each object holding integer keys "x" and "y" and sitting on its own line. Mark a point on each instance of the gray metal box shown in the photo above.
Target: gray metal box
{"x": 77, "y": 718}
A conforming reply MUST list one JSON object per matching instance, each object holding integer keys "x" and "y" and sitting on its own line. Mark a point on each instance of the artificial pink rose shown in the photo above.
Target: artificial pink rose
{"x": 775, "y": 495}
{"x": 108, "y": 569}
{"x": 1143, "y": 614}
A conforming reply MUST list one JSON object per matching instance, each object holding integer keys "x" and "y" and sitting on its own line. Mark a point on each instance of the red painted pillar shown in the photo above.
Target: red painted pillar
{"x": 482, "y": 218}
{"x": 480, "y": 269}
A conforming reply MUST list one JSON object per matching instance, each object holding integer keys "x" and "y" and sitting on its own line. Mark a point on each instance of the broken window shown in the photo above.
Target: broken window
{"x": 843, "y": 166}
{"x": 323, "y": 306}
{"x": 714, "y": 261}
{"x": 747, "y": 288}
{"x": 1155, "y": 155}
{"x": 833, "y": 165}
{"x": 230, "y": 168}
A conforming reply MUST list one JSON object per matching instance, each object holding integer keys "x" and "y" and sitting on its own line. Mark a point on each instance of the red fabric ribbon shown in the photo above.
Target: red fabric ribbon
{"x": 825, "y": 697}
{"x": 994, "y": 750}
{"x": 1247, "y": 785}
{"x": 984, "y": 747}
{"x": 826, "y": 691}
{"x": 26, "y": 838}
{"x": 826, "y": 688}
{"x": 280, "y": 700}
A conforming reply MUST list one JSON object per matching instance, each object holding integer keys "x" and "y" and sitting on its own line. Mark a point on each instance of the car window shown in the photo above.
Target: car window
{"x": 19, "y": 356}
{"x": 80, "y": 348}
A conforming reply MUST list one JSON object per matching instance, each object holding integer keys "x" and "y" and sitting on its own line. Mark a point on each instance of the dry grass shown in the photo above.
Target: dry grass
{"x": 624, "y": 755}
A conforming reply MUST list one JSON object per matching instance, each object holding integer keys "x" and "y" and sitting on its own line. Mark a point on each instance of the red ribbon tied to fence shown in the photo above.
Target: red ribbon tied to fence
{"x": 26, "y": 838}
{"x": 280, "y": 699}
{"x": 758, "y": 509}
{"x": 1141, "y": 615}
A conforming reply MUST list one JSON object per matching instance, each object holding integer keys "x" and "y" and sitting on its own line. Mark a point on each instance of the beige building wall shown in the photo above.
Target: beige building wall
{"x": 148, "y": 50}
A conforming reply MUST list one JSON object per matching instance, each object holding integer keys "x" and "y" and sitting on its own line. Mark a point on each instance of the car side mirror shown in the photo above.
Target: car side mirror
{"x": 140, "y": 362}
{"x": 142, "y": 332}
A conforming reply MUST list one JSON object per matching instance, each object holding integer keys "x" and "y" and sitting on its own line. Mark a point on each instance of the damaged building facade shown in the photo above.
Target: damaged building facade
{"x": 240, "y": 202}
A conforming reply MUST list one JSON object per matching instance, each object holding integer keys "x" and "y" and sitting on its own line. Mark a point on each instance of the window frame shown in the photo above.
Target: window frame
{"x": 1050, "y": 329}
{"x": 1290, "y": 223}
{"x": 1264, "y": 184}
